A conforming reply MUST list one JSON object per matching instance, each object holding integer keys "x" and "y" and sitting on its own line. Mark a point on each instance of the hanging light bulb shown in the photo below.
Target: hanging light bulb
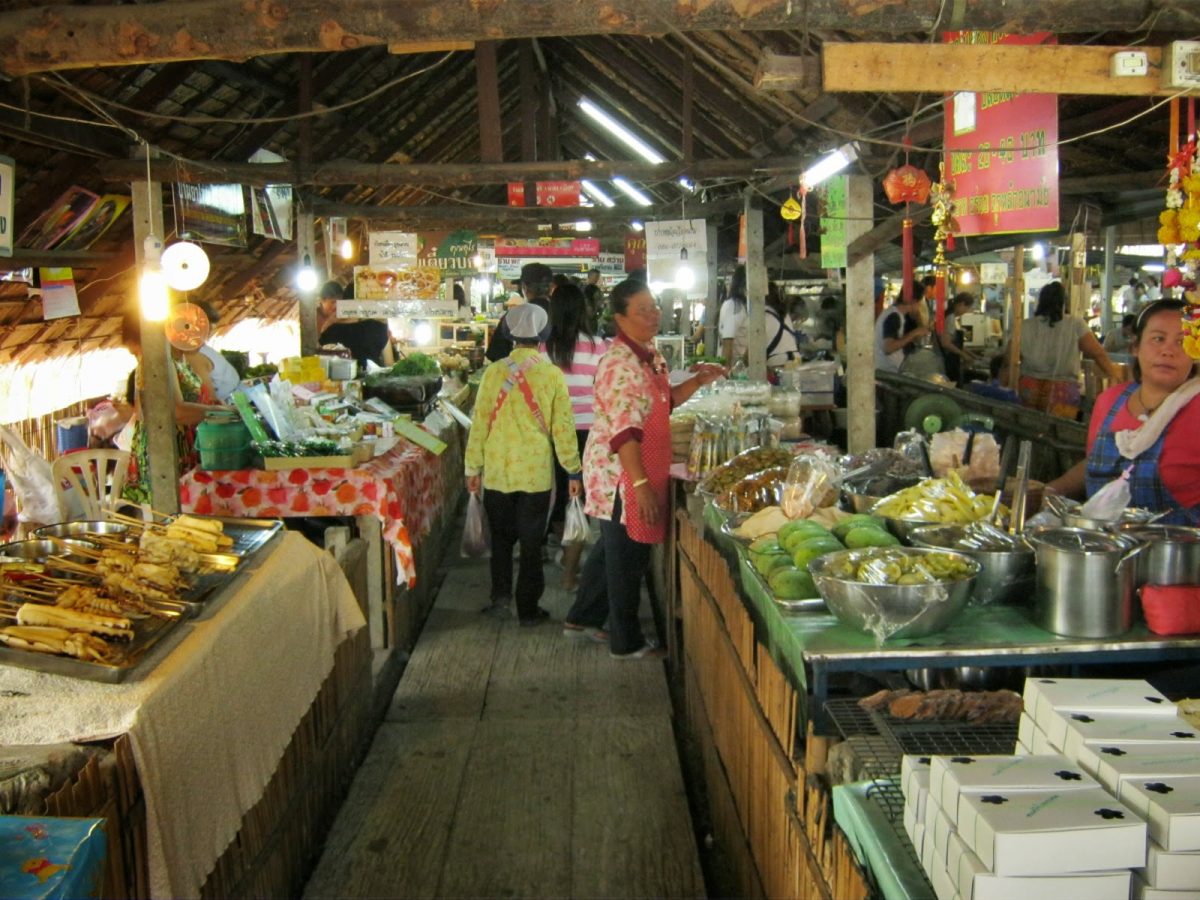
{"x": 685, "y": 278}
{"x": 347, "y": 248}
{"x": 185, "y": 265}
{"x": 306, "y": 277}
{"x": 152, "y": 286}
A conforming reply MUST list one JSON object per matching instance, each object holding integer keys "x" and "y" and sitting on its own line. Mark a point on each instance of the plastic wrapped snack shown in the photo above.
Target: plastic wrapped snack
{"x": 945, "y": 500}
{"x": 812, "y": 482}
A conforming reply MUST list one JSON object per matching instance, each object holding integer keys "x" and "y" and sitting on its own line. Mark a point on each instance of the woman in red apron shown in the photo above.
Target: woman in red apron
{"x": 626, "y": 474}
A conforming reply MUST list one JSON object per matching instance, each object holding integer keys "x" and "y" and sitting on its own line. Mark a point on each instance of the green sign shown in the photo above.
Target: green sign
{"x": 833, "y": 224}
{"x": 452, "y": 252}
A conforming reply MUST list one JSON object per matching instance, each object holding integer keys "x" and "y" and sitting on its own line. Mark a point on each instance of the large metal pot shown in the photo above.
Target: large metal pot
{"x": 1085, "y": 581}
{"x": 1007, "y": 574}
{"x": 1172, "y": 554}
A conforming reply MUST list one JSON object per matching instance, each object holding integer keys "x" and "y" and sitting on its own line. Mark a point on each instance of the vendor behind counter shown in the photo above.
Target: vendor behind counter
{"x": 366, "y": 339}
{"x": 1151, "y": 424}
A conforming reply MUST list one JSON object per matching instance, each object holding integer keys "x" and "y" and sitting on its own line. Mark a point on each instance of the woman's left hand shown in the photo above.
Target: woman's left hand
{"x": 574, "y": 487}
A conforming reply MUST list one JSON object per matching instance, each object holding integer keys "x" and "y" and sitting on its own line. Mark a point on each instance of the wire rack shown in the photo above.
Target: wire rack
{"x": 880, "y": 742}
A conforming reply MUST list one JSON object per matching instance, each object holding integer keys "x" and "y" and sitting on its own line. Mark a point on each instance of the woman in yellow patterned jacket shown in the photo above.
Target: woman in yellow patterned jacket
{"x": 522, "y": 420}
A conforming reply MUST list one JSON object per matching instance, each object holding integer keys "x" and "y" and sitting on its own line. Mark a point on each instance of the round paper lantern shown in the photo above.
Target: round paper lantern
{"x": 907, "y": 184}
{"x": 187, "y": 327}
{"x": 186, "y": 265}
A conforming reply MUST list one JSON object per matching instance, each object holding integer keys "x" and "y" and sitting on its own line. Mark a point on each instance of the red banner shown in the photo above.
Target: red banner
{"x": 1002, "y": 152}
{"x": 549, "y": 193}
{"x": 543, "y": 247}
{"x": 635, "y": 251}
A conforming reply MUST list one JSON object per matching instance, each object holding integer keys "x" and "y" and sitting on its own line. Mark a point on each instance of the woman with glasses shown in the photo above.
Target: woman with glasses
{"x": 625, "y": 471}
{"x": 1151, "y": 424}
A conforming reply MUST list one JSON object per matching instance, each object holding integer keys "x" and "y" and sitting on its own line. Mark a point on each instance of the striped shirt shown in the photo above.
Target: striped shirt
{"x": 580, "y": 378}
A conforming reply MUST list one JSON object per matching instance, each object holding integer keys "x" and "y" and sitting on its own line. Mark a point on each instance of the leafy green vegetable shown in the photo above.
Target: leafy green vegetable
{"x": 416, "y": 364}
{"x": 266, "y": 370}
{"x": 238, "y": 359}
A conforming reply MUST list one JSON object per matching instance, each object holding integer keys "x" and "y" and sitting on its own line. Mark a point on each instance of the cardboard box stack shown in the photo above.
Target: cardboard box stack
{"x": 1102, "y": 800}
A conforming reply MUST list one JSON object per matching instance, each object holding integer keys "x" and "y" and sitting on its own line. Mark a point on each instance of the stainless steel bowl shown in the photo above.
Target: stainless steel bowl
{"x": 904, "y": 529}
{"x": 41, "y": 549}
{"x": 891, "y": 610}
{"x": 83, "y": 529}
{"x": 859, "y": 496}
{"x": 1006, "y": 576}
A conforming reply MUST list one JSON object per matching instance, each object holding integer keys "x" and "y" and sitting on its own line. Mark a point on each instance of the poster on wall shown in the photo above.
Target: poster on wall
{"x": 271, "y": 206}
{"x": 63, "y": 215}
{"x": 59, "y": 299}
{"x": 8, "y": 171}
{"x": 1002, "y": 152}
{"x": 212, "y": 213}
{"x": 96, "y": 223}
{"x": 677, "y": 256}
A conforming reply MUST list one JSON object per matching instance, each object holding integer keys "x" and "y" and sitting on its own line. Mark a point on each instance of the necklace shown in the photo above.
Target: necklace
{"x": 1147, "y": 411}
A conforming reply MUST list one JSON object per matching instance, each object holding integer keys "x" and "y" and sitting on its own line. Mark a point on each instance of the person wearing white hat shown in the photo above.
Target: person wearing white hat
{"x": 522, "y": 420}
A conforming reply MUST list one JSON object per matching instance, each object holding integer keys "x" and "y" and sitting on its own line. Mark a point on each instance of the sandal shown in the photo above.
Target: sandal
{"x": 584, "y": 633}
{"x": 649, "y": 650}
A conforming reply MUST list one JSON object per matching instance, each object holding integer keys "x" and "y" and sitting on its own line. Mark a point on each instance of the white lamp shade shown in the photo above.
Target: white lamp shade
{"x": 185, "y": 265}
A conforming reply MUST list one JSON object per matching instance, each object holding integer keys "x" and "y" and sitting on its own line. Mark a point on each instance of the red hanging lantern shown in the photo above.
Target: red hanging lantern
{"x": 907, "y": 184}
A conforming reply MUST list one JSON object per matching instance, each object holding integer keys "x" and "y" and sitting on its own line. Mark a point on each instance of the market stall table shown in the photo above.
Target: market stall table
{"x": 211, "y": 721}
{"x": 394, "y": 498}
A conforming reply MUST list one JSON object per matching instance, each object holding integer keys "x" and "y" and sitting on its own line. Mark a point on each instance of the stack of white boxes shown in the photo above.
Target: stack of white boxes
{"x": 1103, "y": 801}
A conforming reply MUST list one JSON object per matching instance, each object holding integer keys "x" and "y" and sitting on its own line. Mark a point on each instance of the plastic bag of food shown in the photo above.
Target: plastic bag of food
{"x": 1107, "y": 504}
{"x": 575, "y": 526}
{"x": 812, "y": 482}
{"x": 913, "y": 446}
{"x": 477, "y": 538}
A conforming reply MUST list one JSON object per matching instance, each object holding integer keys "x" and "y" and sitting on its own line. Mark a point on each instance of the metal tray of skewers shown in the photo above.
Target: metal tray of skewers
{"x": 93, "y": 603}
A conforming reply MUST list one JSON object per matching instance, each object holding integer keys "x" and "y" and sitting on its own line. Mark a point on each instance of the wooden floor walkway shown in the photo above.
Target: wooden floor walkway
{"x": 515, "y": 763}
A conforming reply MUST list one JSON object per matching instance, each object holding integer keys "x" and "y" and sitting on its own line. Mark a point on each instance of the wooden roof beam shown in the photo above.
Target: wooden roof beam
{"x": 999, "y": 68}
{"x": 55, "y": 37}
{"x": 436, "y": 175}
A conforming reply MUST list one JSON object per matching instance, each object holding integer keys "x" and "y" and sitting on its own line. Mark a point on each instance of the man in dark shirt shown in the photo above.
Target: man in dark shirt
{"x": 535, "y": 285}
{"x": 364, "y": 338}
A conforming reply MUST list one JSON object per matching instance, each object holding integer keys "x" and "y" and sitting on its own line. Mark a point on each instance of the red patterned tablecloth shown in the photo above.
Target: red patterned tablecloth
{"x": 404, "y": 488}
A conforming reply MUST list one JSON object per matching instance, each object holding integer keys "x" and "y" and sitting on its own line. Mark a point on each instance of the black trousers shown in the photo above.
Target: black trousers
{"x": 517, "y": 517}
{"x": 610, "y": 585}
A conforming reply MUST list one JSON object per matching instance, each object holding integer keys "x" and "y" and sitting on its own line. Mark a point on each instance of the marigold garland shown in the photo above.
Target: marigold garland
{"x": 1179, "y": 229}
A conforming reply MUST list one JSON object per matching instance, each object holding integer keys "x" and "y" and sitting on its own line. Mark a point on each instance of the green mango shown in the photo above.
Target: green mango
{"x": 870, "y": 536}
{"x": 768, "y": 543}
{"x": 814, "y": 547}
{"x": 766, "y": 563}
{"x": 790, "y": 583}
{"x": 858, "y": 520}
{"x": 791, "y": 534}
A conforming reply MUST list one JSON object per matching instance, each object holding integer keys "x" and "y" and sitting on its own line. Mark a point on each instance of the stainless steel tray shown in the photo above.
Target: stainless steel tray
{"x": 148, "y": 633}
{"x": 248, "y": 534}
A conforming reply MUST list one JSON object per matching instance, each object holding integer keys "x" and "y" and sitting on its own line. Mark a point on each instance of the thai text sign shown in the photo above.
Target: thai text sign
{"x": 1002, "y": 152}
{"x": 677, "y": 256}
{"x": 635, "y": 251}
{"x": 547, "y": 247}
{"x": 833, "y": 224}
{"x": 392, "y": 248}
{"x": 8, "y": 169}
{"x": 549, "y": 193}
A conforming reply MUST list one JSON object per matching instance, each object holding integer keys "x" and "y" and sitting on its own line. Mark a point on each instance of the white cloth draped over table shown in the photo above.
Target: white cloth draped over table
{"x": 210, "y": 723}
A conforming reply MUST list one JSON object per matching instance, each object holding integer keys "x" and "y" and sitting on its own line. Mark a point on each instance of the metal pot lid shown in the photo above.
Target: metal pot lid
{"x": 1172, "y": 534}
{"x": 1079, "y": 540}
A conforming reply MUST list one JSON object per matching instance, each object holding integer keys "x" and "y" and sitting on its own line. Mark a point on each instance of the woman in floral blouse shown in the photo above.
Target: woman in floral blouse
{"x": 625, "y": 471}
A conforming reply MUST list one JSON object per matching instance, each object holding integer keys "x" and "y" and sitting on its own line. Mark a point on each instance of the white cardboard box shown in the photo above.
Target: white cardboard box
{"x": 952, "y": 775}
{"x": 1056, "y": 723}
{"x": 975, "y": 882}
{"x": 917, "y": 836}
{"x": 943, "y": 884}
{"x": 1052, "y": 833}
{"x": 1032, "y": 737}
{"x": 1171, "y": 808}
{"x": 1143, "y": 891}
{"x": 938, "y": 827}
{"x": 1113, "y": 766}
{"x": 1106, "y": 695}
{"x": 1022, "y": 750}
{"x": 1112, "y": 728}
{"x": 929, "y": 853}
{"x": 916, "y": 789}
{"x": 1171, "y": 871}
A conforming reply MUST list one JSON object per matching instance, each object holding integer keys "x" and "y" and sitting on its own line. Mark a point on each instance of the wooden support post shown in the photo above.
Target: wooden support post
{"x": 860, "y": 322}
{"x": 689, "y": 95}
{"x": 756, "y": 289}
{"x": 308, "y": 300}
{"x": 158, "y": 384}
{"x": 1017, "y": 299}
{"x": 712, "y": 309}
{"x": 487, "y": 82}
{"x": 1079, "y": 293}
{"x": 1107, "y": 288}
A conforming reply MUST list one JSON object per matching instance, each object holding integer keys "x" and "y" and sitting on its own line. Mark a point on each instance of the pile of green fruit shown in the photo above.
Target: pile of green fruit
{"x": 783, "y": 558}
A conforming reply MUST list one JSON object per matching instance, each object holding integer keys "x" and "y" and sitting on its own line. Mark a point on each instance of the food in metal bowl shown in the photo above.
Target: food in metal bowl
{"x": 1007, "y": 562}
{"x": 894, "y": 592}
{"x": 753, "y": 493}
{"x": 81, "y": 529}
{"x": 745, "y": 463}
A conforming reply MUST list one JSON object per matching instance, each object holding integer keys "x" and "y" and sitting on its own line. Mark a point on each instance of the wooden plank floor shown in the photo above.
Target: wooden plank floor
{"x": 513, "y": 762}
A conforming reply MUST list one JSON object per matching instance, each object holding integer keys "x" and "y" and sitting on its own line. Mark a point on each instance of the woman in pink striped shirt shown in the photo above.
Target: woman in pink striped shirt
{"x": 576, "y": 351}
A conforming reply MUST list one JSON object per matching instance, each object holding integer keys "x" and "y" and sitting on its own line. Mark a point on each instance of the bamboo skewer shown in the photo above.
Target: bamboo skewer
{"x": 76, "y": 549}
